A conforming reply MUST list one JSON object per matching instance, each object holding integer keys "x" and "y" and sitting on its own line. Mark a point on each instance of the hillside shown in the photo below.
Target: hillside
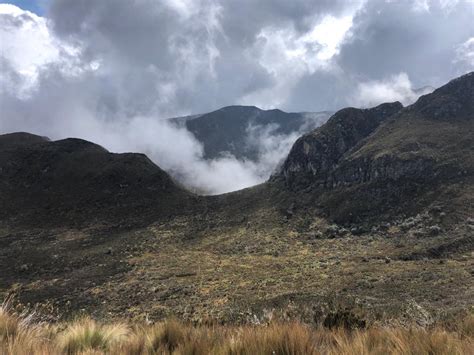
{"x": 230, "y": 129}
{"x": 75, "y": 180}
{"x": 370, "y": 214}
{"x": 388, "y": 159}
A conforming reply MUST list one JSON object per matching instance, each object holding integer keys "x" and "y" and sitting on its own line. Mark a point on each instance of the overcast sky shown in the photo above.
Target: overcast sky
{"x": 108, "y": 70}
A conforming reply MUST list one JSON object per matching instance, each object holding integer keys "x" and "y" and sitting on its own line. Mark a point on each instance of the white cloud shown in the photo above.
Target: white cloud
{"x": 272, "y": 147}
{"x": 465, "y": 54}
{"x": 288, "y": 56}
{"x": 395, "y": 88}
{"x": 66, "y": 96}
{"x": 174, "y": 149}
{"x": 329, "y": 34}
{"x": 421, "y": 5}
{"x": 26, "y": 43}
{"x": 28, "y": 46}
{"x": 427, "y": 5}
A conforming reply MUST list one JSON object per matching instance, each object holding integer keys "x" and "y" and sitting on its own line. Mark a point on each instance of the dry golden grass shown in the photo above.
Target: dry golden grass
{"x": 19, "y": 334}
{"x": 86, "y": 334}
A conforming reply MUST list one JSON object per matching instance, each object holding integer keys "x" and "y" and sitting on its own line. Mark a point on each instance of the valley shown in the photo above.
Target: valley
{"x": 370, "y": 213}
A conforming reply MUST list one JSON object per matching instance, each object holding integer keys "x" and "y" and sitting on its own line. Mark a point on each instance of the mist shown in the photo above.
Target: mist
{"x": 170, "y": 146}
{"x": 111, "y": 71}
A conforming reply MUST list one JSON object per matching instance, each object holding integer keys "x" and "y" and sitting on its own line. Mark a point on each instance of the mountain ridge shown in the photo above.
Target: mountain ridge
{"x": 227, "y": 130}
{"x": 413, "y": 146}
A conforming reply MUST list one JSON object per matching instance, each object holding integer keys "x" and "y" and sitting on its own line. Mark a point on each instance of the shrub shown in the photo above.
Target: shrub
{"x": 343, "y": 319}
{"x": 85, "y": 334}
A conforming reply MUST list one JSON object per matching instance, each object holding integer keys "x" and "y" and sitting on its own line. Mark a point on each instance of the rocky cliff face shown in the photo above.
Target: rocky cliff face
{"x": 455, "y": 100}
{"x": 387, "y": 155}
{"x": 315, "y": 155}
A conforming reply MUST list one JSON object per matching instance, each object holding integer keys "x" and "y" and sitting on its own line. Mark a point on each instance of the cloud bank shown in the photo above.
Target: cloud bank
{"x": 396, "y": 88}
{"x": 110, "y": 71}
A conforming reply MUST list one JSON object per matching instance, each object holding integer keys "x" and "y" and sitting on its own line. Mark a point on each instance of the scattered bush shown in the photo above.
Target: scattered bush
{"x": 434, "y": 230}
{"x": 407, "y": 225}
{"x": 343, "y": 319}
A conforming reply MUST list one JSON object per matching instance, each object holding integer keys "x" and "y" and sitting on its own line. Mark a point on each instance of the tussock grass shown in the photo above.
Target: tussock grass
{"x": 86, "y": 335}
{"x": 19, "y": 334}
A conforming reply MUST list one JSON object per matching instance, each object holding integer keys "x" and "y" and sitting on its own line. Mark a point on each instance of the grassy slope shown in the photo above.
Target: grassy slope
{"x": 231, "y": 266}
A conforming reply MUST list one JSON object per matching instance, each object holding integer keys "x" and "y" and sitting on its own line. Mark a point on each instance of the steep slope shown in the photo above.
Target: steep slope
{"x": 229, "y": 129}
{"x": 314, "y": 155}
{"x": 364, "y": 163}
{"x": 70, "y": 178}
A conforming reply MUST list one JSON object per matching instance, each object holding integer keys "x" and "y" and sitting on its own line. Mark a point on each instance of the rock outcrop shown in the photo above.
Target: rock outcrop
{"x": 314, "y": 156}
{"x": 365, "y": 162}
{"x": 455, "y": 100}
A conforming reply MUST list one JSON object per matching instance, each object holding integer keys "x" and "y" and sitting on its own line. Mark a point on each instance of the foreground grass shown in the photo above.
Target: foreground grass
{"x": 19, "y": 335}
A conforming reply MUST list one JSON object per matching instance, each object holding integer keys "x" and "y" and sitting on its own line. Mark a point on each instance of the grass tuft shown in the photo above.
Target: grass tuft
{"x": 20, "y": 335}
{"x": 87, "y": 335}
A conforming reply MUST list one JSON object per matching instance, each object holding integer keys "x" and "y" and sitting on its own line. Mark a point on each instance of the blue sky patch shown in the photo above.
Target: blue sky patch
{"x": 36, "y": 6}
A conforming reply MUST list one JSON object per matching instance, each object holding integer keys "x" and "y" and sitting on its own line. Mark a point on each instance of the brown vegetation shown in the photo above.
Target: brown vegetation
{"x": 20, "y": 334}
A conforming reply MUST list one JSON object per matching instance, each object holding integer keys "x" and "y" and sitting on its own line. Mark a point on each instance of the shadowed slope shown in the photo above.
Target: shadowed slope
{"x": 39, "y": 178}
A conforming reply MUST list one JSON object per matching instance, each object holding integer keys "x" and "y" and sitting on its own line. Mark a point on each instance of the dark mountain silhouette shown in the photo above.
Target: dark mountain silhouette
{"x": 39, "y": 176}
{"x": 229, "y": 129}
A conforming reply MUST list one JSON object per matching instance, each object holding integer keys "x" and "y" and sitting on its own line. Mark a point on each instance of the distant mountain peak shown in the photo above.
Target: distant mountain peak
{"x": 226, "y": 130}
{"x": 237, "y": 108}
{"x": 453, "y": 100}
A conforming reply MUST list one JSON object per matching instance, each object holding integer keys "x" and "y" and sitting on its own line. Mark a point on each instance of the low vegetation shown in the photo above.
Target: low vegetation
{"x": 21, "y": 334}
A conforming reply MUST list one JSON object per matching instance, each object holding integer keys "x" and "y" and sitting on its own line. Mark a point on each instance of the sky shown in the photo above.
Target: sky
{"x": 37, "y": 6}
{"x": 110, "y": 71}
